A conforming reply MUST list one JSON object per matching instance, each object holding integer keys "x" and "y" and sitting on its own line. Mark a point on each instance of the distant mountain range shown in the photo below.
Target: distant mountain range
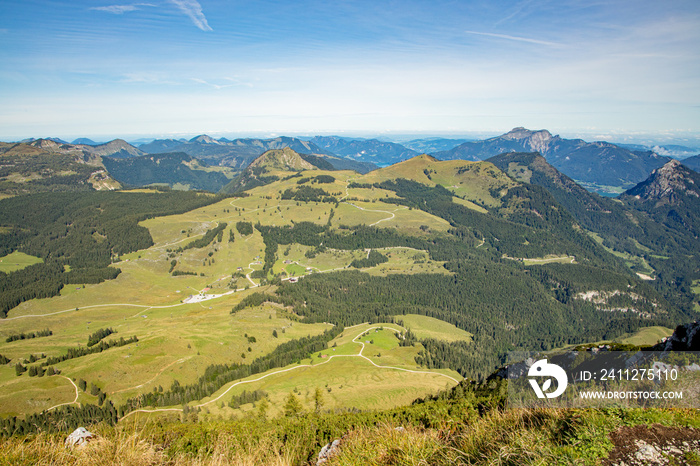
{"x": 86, "y": 141}
{"x": 237, "y": 154}
{"x": 432, "y": 145}
{"x": 599, "y": 163}
{"x": 692, "y": 162}
{"x": 671, "y": 150}
{"x": 599, "y": 166}
{"x": 367, "y": 150}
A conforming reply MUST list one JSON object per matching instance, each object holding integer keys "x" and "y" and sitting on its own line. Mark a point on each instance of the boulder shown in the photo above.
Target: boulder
{"x": 79, "y": 437}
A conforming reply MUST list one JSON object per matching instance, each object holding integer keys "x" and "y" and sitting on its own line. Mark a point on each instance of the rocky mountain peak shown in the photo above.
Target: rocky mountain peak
{"x": 204, "y": 139}
{"x": 668, "y": 183}
{"x": 524, "y": 133}
{"x": 537, "y": 141}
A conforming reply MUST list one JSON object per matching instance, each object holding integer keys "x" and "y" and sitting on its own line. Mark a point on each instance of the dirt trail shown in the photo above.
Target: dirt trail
{"x": 70, "y": 402}
{"x": 358, "y": 355}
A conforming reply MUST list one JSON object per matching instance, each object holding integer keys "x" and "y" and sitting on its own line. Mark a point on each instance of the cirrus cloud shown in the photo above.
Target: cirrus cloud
{"x": 120, "y": 9}
{"x": 193, "y": 9}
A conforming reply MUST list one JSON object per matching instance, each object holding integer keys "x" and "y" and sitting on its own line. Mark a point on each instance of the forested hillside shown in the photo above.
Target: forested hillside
{"x": 86, "y": 231}
{"x": 170, "y": 168}
{"x": 652, "y": 226}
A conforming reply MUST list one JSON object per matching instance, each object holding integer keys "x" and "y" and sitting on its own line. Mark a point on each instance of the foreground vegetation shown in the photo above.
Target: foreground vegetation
{"x": 467, "y": 425}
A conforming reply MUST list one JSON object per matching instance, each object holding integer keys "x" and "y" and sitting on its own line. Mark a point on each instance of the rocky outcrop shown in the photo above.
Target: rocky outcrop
{"x": 667, "y": 184}
{"x": 685, "y": 338}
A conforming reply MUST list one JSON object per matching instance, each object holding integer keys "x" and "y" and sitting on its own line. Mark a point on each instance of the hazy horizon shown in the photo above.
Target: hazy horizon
{"x": 648, "y": 139}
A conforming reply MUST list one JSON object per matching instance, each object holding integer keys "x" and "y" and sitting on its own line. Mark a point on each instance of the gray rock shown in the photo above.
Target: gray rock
{"x": 79, "y": 437}
{"x": 647, "y": 453}
{"x": 328, "y": 452}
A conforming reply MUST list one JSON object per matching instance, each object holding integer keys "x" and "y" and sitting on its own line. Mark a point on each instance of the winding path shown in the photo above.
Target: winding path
{"x": 152, "y": 379}
{"x": 70, "y": 402}
{"x": 281, "y": 371}
{"x": 373, "y": 210}
{"x": 92, "y": 307}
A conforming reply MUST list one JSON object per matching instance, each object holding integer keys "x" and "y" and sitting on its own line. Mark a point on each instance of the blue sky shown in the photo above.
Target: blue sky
{"x": 183, "y": 67}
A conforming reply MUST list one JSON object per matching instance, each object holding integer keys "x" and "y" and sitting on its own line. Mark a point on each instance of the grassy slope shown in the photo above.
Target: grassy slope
{"x": 646, "y": 336}
{"x": 177, "y": 341}
{"x": 17, "y": 261}
{"x": 429, "y": 327}
{"x": 473, "y": 183}
{"x": 346, "y": 380}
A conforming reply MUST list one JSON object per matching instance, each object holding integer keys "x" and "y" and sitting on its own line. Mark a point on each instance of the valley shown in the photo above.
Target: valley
{"x": 177, "y": 339}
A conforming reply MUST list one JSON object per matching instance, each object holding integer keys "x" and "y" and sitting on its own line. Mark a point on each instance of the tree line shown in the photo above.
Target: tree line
{"x": 86, "y": 231}
{"x": 208, "y": 237}
{"x": 29, "y": 336}
{"x": 217, "y": 375}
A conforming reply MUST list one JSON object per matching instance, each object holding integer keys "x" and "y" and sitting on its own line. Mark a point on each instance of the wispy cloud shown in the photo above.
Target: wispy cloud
{"x": 193, "y": 9}
{"x": 515, "y": 38}
{"x": 120, "y": 9}
{"x": 520, "y": 9}
{"x": 233, "y": 82}
{"x": 207, "y": 83}
{"x": 147, "y": 78}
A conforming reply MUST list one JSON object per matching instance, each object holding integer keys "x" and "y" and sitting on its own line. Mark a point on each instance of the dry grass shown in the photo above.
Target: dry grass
{"x": 385, "y": 445}
{"x": 124, "y": 448}
{"x": 509, "y": 438}
{"x": 515, "y": 437}
{"x": 127, "y": 445}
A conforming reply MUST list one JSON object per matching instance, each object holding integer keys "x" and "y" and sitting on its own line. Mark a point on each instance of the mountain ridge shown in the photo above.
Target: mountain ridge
{"x": 599, "y": 163}
{"x": 237, "y": 153}
{"x": 368, "y": 150}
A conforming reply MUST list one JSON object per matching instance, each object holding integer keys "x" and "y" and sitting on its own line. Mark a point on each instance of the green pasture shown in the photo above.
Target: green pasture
{"x": 17, "y": 261}
{"x": 430, "y": 327}
{"x": 346, "y": 380}
{"x": 646, "y": 336}
{"x": 179, "y": 340}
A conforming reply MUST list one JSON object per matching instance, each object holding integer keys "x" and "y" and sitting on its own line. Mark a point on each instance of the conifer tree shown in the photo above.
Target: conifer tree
{"x": 293, "y": 406}
{"x": 263, "y": 406}
{"x": 318, "y": 400}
